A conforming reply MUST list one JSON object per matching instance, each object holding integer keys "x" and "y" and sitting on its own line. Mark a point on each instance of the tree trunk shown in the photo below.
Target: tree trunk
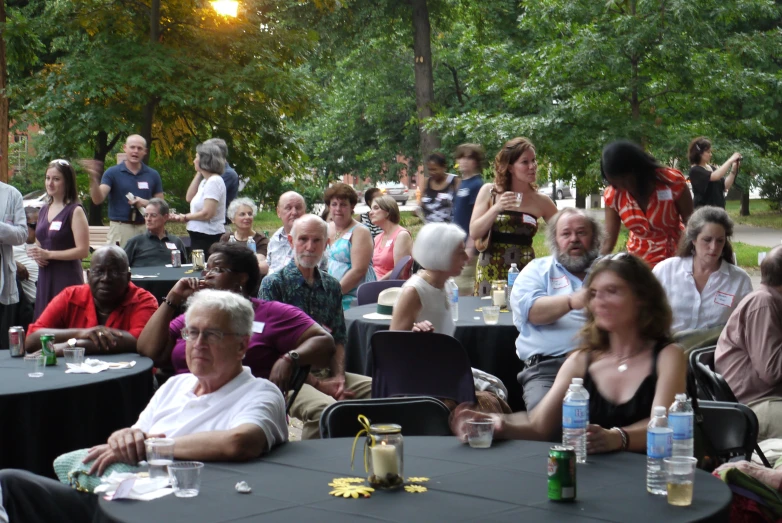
{"x": 4, "y": 153}
{"x": 744, "y": 211}
{"x": 149, "y": 108}
{"x": 102, "y": 148}
{"x": 424, "y": 83}
{"x": 580, "y": 199}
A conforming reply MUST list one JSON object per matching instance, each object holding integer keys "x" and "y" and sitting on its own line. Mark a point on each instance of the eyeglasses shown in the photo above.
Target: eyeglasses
{"x": 60, "y": 162}
{"x": 216, "y": 270}
{"x": 211, "y": 336}
{"x": 112, "y": 274}
{"x": 153, "y": 214}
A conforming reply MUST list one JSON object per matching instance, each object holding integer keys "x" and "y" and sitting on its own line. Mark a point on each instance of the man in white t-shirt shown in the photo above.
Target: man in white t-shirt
{"x": 220, "y": 412}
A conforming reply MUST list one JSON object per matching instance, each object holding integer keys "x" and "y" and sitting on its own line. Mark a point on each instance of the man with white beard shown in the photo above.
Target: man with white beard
{"x": 548, "y": 299}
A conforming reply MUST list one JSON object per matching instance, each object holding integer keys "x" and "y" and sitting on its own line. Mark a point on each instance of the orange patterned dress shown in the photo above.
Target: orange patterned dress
{"x": 654, "y": 234}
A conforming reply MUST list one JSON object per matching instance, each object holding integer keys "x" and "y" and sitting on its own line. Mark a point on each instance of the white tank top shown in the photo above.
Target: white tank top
{"x": 435, "y": 306}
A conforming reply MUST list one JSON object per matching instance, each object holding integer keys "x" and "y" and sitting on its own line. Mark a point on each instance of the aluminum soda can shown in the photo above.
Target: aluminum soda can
{"x": 47, "y": 348}
{"x": 176, "y": 258}
{"x": 562, "y": 473}
{"x": 16, "y": 341}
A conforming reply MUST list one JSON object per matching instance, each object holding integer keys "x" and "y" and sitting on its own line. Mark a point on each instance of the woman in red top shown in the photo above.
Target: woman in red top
{"x": 652, "y": 201}
{"x": 394, "y": 243}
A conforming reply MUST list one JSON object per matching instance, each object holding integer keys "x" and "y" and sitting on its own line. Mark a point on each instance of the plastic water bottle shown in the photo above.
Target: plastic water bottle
{"x": 251, "y": 244}
{"x": 512, "y": 273}
{"x": 659, "y": 445}
{"x": 575, "y": 418}
{"x": 232, "y": 239}
{"x": 453, "y": 295}
{"x": 680, "y": 418}
{"x": 580, "y": 381}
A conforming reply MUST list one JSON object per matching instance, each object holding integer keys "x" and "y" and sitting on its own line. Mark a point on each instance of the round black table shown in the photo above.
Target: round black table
{"x": 41, "y": 418}
{"x": 506, "y": 483}
{"x": 163, "y": 278}
{"x": 490, "y": 348}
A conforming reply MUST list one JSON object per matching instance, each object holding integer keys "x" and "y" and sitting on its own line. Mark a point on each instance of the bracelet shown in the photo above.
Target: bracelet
{"x": 625, "y": 437}
{"x": 168, "y": 302}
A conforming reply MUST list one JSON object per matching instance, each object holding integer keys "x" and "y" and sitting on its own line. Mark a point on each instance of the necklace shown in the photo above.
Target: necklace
{"x": 622, "y": 367}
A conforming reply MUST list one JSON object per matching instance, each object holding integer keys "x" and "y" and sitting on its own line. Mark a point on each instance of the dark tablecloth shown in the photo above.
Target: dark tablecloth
{"x": 506, "y": 483}
{"x": 41, "y": 418}
{"x": 490, "y": 348}
{"x": 162, "y": 283}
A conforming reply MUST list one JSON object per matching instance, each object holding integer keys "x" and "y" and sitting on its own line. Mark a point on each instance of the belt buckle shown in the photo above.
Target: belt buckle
{"x": 533, "y": 360}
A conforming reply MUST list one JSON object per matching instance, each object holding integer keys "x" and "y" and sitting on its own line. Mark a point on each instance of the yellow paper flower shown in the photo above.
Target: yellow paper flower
{"x": 417, "y": 480}
{"x": 352, "y": 491}
{"x": 345, "y": 481}
{"x": 415, "y": 489}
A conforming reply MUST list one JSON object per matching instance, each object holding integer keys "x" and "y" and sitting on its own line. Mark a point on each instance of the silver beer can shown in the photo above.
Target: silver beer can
{"x": 176, "y": 258}
{"x": 16, "y": 341}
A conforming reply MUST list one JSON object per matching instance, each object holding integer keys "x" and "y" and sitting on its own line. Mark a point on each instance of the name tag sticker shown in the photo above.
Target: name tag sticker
{"x": 724, "y": 299}
{"x": 664, "y": 195}
{"x": 143, "y": 185}
{"x": 560, "y": 283}
{"x": 258, "y": 327}
{"x": 530, "y": 220}
{"x": 426, "y": 199}
{"x": 55, "y": 226}
{"x": 347, "y": 236}
{"x": 463, "y": 193}
{"x": 444, "y": 196}
{"x": 389, "y": 242}
{"x": 171, "y": 246}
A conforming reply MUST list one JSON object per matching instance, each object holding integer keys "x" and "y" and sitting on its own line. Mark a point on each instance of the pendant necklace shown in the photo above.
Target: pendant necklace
{"x": 623, "y": 361}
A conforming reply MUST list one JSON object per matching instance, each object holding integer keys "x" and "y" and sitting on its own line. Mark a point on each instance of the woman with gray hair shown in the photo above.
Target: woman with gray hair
{"x": 206, "y": 194}
{"x": 241, "y": 212}
{"x": 423, "y": 304}
{"x": 702, "y": 282}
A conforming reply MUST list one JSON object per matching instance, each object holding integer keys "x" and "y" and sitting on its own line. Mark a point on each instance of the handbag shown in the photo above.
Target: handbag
{"x": 71, "y": 471}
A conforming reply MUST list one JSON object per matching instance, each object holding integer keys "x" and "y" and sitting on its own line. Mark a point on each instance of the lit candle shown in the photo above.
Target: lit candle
{"x": 498, "y": 298}
{"x": 384, "y": 460}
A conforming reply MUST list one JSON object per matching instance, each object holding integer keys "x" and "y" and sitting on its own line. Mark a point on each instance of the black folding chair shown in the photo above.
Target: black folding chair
{"x": 702, "y": 368}
{"x": 420, "y": 364}
{"x": 418, "y": 416}
{"x": 369, "y": 291}
{"x": 296, "y": 383}
{"x": 731, "y": 430}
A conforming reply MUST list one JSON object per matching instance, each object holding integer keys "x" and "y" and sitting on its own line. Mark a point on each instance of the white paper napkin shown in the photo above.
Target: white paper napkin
{"x": 127, "y": 485}
{"x": 93, "y": 366}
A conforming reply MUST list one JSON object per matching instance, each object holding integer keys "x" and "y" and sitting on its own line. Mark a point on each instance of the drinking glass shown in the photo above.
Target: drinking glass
{"x": 160, "y": 454}
{"x": 35, "y": 365}
{"x": 680, "y": 476}
{"x": 491, "y": 314}
{"x": 480, "y": 433}
{"x": 519, "y": 197}
{"x": 74, "y": 356}
{"x": 185, "y": 478}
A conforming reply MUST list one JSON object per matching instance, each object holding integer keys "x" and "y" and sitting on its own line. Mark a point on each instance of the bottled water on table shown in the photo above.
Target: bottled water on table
{"x": 512, "y": 273}
{"x": 659, "y": 445}
{"x": 575, "y": 418}
{"x": 452, "y": 290}
{"x": 232, "y": 239}
{"x": 251, "y": 244}
{"x": 680, "y": 418}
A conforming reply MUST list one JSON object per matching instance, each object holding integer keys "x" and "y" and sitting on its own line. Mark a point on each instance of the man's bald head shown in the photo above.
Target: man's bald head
{"x": 771, "y": 268}
{"x": 135, "y": 148}
{"x": 290, "y": 207}
{"x": 136, "y": 138}
{"x": 106, "y": 254}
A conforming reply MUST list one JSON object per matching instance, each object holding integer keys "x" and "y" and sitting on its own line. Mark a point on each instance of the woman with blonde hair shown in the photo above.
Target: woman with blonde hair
{"x": 626, "y": 359}
{"x": 505, "y": 216}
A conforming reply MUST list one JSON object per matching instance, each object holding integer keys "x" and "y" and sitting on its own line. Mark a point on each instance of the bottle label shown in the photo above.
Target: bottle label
{"x": 681, "y": 425}
{"x": 659, "y": 443}
{"x": 512, "y": 278}
{"x": 575, "y": 416}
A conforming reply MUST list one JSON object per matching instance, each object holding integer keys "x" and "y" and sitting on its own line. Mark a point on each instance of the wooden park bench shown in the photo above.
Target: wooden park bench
{"x": 99, "y": 236}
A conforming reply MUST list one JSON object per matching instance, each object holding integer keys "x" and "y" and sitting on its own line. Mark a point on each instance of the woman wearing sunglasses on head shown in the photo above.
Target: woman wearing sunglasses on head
{"x": 62, "y": 236}
{"x": 279, "y": 330}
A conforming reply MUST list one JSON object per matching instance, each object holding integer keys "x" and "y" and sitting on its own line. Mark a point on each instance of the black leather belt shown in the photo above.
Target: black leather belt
{"x": 537, "y": 358}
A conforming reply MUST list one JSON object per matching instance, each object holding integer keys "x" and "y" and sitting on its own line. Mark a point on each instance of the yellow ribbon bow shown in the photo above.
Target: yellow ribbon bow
{"x": 370, "y": 438}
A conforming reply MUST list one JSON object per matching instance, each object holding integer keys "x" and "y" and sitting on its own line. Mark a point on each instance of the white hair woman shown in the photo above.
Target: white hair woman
{"x": 241, "y": 212}
{"x": 424, "y": 304}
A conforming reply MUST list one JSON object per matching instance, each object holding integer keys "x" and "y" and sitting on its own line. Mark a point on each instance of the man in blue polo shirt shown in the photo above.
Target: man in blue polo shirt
{"x": 229, "y": 176}
{"x": 129, "y": 186}
{"x": 549, "y": 297}
{"x": 470, "y": 157}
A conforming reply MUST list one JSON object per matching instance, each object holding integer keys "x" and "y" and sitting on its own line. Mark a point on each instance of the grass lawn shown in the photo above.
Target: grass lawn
{"x": 761, "y": 215}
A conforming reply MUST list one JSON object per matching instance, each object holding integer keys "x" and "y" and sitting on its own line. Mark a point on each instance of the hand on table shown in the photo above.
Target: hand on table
{"x": 124, "y": 446}
{"x": 600, "y": 440}
{"x": 462, "y": 414}
{"x": 101, "y": 336}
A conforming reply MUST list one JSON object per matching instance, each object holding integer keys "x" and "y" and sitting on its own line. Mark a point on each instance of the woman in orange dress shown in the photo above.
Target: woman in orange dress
{"x": 652, "y": 201}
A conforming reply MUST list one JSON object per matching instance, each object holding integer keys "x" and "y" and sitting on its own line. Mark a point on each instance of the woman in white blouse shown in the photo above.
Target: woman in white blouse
{"x": 206, "y": 194}
{"x": 703, "y": 284}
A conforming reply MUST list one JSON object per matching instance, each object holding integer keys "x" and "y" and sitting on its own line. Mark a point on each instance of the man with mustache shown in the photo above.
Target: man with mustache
{"x": 548, "y": 299}
{"x": 105, "y": 315}
{"x": 302, "y": 284}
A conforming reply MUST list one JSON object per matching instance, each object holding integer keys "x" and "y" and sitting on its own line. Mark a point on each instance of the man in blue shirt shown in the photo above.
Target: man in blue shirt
{"x": 548, "y": 300}
{"x": 229, "y": 176}
{"x": 129, "y": 186}
{"x": 470, "y": 157}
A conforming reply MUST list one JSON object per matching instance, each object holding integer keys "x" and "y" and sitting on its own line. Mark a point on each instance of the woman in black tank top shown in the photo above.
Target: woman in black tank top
{"x": 625, "y": 359}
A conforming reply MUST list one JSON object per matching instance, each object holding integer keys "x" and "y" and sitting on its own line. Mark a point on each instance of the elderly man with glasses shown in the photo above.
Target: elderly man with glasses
{"x": 153, "y": 247}
{"x": 106, "y": 314}
{"x": 218, "y": 412}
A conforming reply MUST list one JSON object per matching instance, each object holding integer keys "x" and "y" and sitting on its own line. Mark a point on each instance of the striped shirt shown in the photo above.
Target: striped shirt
{"x": 654, "y": 234}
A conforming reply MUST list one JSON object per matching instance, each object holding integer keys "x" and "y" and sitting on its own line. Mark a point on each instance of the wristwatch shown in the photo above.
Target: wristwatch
{"x": 72, "y": 343}
{"x": 292, "y": 356}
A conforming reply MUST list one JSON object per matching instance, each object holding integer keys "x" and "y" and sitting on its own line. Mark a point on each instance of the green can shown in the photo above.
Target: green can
{"x": 47, "y": 348}
{"x": 562, "y": 473}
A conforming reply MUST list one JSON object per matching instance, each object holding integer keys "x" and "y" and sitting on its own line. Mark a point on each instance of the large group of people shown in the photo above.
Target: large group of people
{"x": 239, "y": 332}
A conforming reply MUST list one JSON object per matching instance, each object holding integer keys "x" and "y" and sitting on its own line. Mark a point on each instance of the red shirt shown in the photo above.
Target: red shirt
{"x": 73, "y": 308}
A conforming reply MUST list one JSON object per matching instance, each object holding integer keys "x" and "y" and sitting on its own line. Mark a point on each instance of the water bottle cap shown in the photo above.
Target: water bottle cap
{"x": 681, "y": 397}
{"x": 659, "y": 410}
{"x": 578, "y": 381}
{"x": 575, "y": 387}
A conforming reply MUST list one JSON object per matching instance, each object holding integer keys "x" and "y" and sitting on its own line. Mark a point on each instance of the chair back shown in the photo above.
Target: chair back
{"x": 420, "y": 364}
{"x": 400, "y": 269}
{"x": 711, "y": 384}
{"x": 368, "y": 292}
{"x": 418, "y": 416}
{"x": 731, "y": 428}
{"x": 296, "y": 383}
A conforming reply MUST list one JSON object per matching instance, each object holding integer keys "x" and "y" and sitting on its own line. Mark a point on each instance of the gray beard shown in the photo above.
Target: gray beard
{"x": 577, "y": 264}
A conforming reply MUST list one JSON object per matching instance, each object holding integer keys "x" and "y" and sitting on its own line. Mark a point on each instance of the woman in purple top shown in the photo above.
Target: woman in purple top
{"x": 278, "y": 328}
{"x": 62, "y": 234}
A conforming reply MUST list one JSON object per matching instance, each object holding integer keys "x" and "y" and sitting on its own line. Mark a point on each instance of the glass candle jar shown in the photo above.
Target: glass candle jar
{"x": 498, "y": 293}
{"x": 198, "y": 259}
{"x": 386, "y": 456}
